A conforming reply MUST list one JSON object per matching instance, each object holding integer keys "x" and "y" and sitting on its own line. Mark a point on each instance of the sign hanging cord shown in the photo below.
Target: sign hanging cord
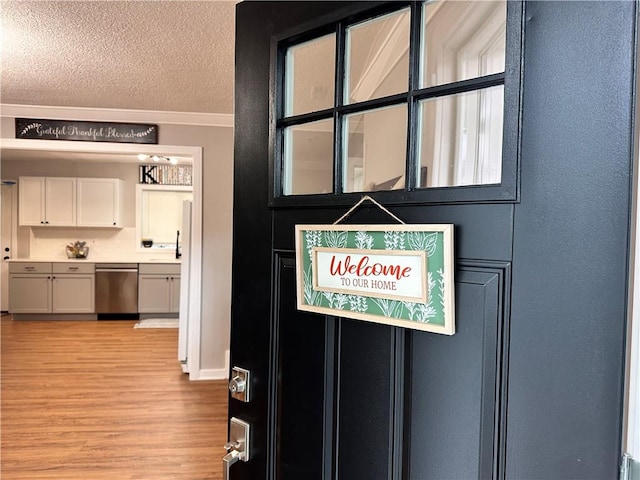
{"x": 362, "y": 200}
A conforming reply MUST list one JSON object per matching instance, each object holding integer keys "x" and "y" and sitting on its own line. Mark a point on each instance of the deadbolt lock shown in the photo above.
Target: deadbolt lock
{"x": 239, "y": 384}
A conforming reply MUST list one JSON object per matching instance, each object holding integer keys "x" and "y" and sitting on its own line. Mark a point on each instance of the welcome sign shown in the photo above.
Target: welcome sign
{"x": 399, "y": 275}
{"x": 395, "y": 274}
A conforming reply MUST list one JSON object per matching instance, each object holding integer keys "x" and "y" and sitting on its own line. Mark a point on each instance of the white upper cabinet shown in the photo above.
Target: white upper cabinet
{"x": 47, "y": 201}
{"x": 70, "y": 202}
{"x": 60, "y": 201}
{"x": 31, "y": 200}
{"x": 99, "y": 202}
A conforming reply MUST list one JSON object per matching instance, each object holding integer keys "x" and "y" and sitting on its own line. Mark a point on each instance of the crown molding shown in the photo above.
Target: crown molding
{"x": 117, "y": 115}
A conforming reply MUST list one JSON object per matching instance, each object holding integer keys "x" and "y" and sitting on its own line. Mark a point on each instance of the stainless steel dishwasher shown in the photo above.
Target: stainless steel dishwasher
{"x": 116, "y": 290}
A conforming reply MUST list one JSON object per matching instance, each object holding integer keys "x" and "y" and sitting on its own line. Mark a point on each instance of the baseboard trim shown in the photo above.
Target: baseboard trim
{"x": 215, "y": 373}
{"x": 55, "y": 316}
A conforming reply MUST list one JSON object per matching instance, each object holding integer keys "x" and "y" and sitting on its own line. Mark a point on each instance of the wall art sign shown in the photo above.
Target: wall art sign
{"x": 39, "y": 129}
{"x": 399, "y": 275}
{"x": 154, "y": 174}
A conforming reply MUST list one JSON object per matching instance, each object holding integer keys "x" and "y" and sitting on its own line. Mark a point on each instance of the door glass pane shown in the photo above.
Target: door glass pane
{"x": 377, "y": 57}
{"x": 461, "y": 139}
{"x": 375, "y": 149}
{"x": 308, "y": 158}
{"x": 310, "y": 76}
{"x": 462, "y": 40}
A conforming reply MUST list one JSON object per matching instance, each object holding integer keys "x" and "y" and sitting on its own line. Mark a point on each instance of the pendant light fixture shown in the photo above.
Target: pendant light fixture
{"x": 158, "y": 158}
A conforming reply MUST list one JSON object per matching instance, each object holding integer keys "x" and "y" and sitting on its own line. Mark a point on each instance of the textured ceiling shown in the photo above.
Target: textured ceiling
{"x": 142, "y": 55}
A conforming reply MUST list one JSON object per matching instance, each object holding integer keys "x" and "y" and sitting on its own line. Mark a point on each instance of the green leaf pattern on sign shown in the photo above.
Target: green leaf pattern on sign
{"x": 431, "y": 242}
{"x": 329, "y": 296}
{"x": 364, "y": 241}
{"x": 424, "y": 312}
{"x": 389, "y": 308}
{"x": 423, "y": 241}
{"x": 358, "y": 303}
{"x": 313, "y": 239}
{"x": 311, "y": 296}
{"x": 394, "y": 240}
{"x": 341, "y": 301}
{"x": 441, "y": 287}
{"x": 335, "y": 239}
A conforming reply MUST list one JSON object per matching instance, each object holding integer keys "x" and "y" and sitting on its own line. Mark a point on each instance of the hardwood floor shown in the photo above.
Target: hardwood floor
{"x": 97, "y": 400}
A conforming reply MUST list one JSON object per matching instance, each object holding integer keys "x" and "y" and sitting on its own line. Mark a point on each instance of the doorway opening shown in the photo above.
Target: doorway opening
{"x": 90, "y": 151}
{"x": 8, "y": 231}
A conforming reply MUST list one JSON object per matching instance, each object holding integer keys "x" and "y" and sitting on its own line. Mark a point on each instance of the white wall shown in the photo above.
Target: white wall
{"x": 217, "y": 210}
{"x": 217, "y": 192}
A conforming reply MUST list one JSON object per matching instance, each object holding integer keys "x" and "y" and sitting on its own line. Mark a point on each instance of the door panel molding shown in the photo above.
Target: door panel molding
{"x": 353, "y": 389}
{"x": 479, "y": 345}
{"x": 367, "y": 407}
{"x": 303, "y": 381}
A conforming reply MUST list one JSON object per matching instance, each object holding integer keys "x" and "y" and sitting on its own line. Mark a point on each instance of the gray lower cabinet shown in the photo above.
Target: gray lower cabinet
{"x": 41, "y": 287}
{"x": 159, "y": 288}
{"x": 73, "y": 288}
{"x": 30, "y": 288}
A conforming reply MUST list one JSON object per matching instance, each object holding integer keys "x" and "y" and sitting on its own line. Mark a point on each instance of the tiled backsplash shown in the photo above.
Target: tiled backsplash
{"x": 50, "y": 242}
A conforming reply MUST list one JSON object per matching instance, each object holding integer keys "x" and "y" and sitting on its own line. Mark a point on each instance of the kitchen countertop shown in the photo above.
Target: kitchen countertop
{"x": 98, "y": 259}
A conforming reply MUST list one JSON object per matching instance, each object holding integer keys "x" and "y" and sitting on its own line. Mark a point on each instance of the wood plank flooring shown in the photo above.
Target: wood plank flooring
{"x": 96, "y": 400}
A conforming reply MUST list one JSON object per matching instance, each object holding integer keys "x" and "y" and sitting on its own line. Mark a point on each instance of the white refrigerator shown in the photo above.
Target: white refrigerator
{"x": 185, "y": 287}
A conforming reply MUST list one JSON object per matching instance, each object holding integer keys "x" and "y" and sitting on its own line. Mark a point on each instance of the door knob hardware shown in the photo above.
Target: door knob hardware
{"x": 240, "y": 384}
{"x": 238, "y": 445}
{"x": 231, "y": 446}
{"x": 229, "y": 459}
